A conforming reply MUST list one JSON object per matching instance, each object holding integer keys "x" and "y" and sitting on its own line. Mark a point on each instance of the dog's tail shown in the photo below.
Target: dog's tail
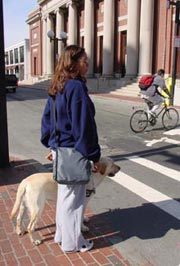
{"x": 19, "y": 196}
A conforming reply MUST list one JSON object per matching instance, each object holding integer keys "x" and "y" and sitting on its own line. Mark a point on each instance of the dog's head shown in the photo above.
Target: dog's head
{"x": 108, "y": 167}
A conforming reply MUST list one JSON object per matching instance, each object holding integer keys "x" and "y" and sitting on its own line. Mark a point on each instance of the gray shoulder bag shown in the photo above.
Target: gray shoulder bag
{"x": 70, "y": 167}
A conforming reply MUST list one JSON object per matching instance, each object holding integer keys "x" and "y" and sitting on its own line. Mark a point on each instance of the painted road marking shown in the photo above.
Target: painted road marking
{"x": 150, "y": 143}
{"x": 151, "y": 195}
{"x": 173, "y": 132}
{"x": 156, "y": 167}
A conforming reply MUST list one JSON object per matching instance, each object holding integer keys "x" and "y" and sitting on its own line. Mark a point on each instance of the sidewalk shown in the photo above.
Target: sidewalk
{"x": 18, "y": 250}
{"x": 119, "y": 97}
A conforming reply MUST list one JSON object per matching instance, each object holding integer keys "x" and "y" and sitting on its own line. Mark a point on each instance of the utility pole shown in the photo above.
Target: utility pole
{"x": 176, "y": 29}
{"x": 4, "y": 149}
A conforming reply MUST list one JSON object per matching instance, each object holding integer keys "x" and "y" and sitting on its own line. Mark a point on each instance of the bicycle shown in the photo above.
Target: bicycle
{"x": 139, "y": 119}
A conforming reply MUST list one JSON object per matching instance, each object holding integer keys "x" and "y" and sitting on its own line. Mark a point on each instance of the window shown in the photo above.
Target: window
{"x": 16, "y": 55}
{"x": 21, "y": 50}
{"x": 11, "y": 57}
{"x": 6, "y": 59}
{"x": 35, "y": 66}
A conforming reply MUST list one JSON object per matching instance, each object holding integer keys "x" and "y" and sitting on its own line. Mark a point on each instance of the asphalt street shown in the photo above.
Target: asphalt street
{"x": 142, "y": 202}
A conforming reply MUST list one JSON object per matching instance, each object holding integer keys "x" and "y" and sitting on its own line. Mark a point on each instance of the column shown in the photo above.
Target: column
{"x": 44, "y": 48}
{"x": 89, "y": 34}
{"x": 72, "y": 23}
{"x": 146, "y": 37}
{"x": 133, "y": 38}
{"x": 59, "y": 28}
{"x": 49, "y": 50}
{"x": 108, "y": 38}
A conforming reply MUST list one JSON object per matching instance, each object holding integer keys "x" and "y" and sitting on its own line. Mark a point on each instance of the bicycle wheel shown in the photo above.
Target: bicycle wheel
{"x": 138, "y": 121}
{"x": 170, "y": 118}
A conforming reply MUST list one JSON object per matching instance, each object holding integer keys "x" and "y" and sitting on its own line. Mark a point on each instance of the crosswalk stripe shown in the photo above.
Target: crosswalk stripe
{"x": 156, "y": 167}
{"x": 151, "y": 195}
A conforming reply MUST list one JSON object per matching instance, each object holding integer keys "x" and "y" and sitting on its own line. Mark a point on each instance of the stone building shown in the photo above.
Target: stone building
{"x": 122, "y": 38}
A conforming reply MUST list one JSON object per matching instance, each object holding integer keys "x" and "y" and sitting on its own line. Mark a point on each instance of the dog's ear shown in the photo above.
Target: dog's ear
{"x": 102, "y": 169}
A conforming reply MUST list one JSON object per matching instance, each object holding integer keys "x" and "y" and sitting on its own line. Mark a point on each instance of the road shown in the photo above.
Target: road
{"x": 142, "y": 202}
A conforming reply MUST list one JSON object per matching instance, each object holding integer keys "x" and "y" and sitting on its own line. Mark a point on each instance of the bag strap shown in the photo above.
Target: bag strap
{"x": 55, "y": 118}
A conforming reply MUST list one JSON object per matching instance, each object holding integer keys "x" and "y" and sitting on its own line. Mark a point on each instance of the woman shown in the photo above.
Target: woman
{"x": 76, "y": 128}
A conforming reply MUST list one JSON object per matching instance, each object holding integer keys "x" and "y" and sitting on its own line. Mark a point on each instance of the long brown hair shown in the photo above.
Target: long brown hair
{"x": 67, "y": 68}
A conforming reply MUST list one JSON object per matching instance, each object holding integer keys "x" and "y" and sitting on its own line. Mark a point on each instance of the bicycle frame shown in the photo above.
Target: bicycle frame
{"x": 164, "y": 108}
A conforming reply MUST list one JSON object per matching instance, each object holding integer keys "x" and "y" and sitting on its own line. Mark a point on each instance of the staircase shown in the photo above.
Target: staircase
{"x": 121, "y": 86}
{"x": 131, "y": 90}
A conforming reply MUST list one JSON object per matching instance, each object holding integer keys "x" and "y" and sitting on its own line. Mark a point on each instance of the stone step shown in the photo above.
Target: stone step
{"x": 128, "y": 90}
{"x": 117, "y": 87}
{"x": 125, "y": 93}
{"x": 38, "y": 85}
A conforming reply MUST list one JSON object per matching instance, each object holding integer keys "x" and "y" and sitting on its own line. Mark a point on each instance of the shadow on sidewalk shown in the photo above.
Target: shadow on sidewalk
{"x": 114, "y": 226}
{"x": 18, "y": 170}
{"x": 144, "y": 222}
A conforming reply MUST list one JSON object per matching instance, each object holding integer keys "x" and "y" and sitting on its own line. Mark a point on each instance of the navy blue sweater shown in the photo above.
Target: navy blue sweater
{"x": 76, "y": 126}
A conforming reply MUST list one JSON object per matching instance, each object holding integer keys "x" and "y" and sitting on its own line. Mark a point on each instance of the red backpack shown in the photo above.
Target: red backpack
{"x": 145, "y": 82}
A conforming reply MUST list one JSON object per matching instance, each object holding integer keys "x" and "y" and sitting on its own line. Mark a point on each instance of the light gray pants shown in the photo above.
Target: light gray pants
{"x": 69, "y": 215}
{"x": 156, "y": 100}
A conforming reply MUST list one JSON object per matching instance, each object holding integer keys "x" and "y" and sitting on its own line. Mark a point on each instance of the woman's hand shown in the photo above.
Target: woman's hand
{"x": 49, "y": 156}
{"x": 96, "y": 167}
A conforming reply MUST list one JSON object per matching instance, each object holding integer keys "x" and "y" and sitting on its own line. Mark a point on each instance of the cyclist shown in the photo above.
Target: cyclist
{"x": 153, "y": 93}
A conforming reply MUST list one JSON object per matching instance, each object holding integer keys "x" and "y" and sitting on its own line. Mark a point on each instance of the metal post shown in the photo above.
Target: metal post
{"x": 174, "y": 66}
{"x": 174, "y": 63}
{"x": 55, "y": 40}
{"x": 55, "y": 51}
{"x": 4, "y": 149}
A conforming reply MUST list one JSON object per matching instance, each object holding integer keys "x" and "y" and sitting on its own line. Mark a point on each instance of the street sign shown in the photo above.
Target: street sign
{"x": 177, "y": 41}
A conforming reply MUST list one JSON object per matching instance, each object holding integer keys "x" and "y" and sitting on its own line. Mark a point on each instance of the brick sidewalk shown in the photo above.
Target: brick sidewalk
{"x": 18, "y": 250}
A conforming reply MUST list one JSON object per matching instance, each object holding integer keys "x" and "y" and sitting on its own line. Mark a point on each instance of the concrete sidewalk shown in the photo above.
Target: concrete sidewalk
{"x": 18, "y": 250}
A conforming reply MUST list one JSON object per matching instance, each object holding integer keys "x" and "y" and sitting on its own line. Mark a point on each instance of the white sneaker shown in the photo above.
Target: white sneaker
{"x": 87, "y": 247}
{"x": 84, "y": 248}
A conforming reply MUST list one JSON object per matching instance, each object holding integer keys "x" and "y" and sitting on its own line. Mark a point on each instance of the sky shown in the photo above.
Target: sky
{"x": 15, "y": 14}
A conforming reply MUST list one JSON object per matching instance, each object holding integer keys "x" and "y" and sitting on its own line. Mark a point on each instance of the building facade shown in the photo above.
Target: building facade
{"x": 35, "y": 36}
{"x": 17, "y": 59}
{"x": 122, "y": 38}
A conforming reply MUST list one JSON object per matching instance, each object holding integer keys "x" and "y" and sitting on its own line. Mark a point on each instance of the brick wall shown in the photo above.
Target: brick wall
{"x": 35, "y": 30}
